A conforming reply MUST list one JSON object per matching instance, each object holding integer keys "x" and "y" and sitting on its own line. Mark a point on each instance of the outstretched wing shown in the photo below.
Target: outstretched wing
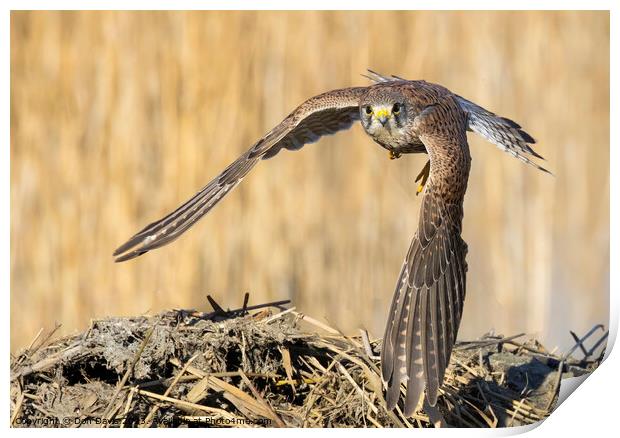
{"x": 428, "y": 302}
{"x": 506, "y": 134}
{"x": 426, "y": 309}
{"x": 321, "y": 115}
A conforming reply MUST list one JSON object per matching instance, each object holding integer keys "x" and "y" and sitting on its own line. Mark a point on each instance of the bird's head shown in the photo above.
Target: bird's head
{"x": 383, "y": 114}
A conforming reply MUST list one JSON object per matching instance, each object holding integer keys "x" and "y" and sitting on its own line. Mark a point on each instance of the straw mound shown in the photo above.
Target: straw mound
{"x": 240, "y": 368}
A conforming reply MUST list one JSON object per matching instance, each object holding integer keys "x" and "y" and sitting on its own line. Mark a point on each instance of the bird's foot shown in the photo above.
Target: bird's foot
{"x": 394, "y": 155}
{"x": 423, "y": 176}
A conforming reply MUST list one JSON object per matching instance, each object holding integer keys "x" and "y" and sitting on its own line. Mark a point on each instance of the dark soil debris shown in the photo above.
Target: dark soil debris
{"x": 252, "y": 369}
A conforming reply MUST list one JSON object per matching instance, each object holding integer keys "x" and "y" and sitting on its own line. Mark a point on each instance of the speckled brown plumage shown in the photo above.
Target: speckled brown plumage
{"x": 403, "y": 117}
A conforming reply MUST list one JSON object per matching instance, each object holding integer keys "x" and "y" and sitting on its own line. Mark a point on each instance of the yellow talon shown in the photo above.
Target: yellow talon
{"x": 423, "y": 175}
{"x": 394, "y": 155}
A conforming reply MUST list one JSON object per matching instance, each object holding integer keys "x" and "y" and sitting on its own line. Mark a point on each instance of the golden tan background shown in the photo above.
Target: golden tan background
{"x": 118, "y": 117}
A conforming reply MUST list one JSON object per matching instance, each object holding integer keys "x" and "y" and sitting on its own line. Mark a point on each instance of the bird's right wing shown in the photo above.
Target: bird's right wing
{"x": 321, "y": 115}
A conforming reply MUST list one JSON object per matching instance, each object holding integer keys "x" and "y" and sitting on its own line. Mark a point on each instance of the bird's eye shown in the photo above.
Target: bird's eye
{"x": 396, "y": 108}
{"x": 368, "y": 110}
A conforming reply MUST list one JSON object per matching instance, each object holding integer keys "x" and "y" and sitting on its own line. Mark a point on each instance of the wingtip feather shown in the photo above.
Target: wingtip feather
{"x": 124, "y": 247}
{"x": 393, "y": 395}
{"x": 129, "y": 256}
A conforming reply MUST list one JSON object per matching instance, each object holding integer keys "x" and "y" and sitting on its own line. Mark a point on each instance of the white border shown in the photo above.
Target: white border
{"x": 591, "y": 410}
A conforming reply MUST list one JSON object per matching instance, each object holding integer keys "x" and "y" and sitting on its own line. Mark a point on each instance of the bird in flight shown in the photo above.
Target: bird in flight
{"x": 403, "y": 117}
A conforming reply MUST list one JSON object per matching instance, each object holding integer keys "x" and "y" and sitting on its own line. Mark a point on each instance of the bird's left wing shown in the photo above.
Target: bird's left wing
{"x": 321, "y": 115}
{"x": 426, "y": 309}
{"x": 428, "y": 302}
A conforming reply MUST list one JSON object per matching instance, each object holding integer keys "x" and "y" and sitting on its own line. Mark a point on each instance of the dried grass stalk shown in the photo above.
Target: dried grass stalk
{"x": 233, "y": 368}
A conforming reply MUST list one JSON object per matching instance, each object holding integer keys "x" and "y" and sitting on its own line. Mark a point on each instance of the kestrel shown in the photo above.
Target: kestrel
{"x": 403, "y": 117}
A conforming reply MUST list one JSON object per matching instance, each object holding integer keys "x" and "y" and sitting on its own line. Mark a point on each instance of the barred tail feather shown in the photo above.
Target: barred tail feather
{"x": 504, "y": 133}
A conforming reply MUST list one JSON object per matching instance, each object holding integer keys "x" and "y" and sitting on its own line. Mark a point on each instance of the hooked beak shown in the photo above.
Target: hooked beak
{"x": 382, "y": 115}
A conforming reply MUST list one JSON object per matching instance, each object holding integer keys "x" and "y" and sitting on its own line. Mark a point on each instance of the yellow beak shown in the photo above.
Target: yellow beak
{"x": 382, "y": 115}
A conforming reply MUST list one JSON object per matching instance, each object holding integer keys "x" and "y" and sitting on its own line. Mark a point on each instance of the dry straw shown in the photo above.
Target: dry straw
{"x": 267, "y": 366}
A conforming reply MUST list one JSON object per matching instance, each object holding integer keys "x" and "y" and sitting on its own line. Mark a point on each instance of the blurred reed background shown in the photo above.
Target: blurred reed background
{"x": 118, "y": 117}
